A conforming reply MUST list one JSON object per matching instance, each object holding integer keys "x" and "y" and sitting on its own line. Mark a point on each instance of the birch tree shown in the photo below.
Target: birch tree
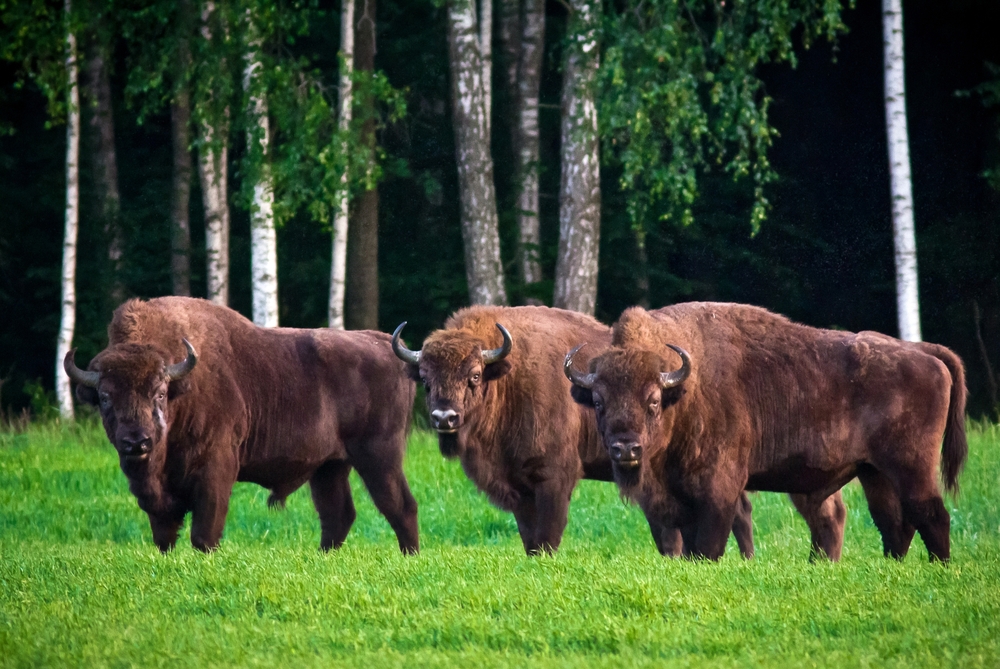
{"x": 67, "y": 321}
{"x": 263, "y": 239}
{"x": 580, "y": 184}
{"x": 180, "y": 123}
{"x": 904, "y": 238}
{"x": 338, "y": 264}
{"x": 486, "y": 58}
{"x": 213, "y": 170}
{"x": 362, "y": 292}
{"x": 477, "y": 197}
{"x": 529, "y": 78}
{"x": 510, "y": 45}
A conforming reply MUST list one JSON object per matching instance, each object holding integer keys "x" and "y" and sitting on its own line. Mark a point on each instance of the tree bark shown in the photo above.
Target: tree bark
{"x": 486, "y": 58}
{"x": 477, "y": 197}
{"x": 338, "y": 263}
{"x": 263, "y": 237}
{"x": 213, "y": 169}
{"x": 510, "y": 44}
{"x": 904, "y": 237}
{"x": 580, "y": 184}
{"x": 97, "y": 91}
{"x": 362, "y": 234}
{"x": 526, "y": 143}
{"x": 180, "y": 121}
{"x": 67, "y": 320}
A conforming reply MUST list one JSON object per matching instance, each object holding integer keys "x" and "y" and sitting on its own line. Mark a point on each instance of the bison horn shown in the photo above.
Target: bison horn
{"x": 183, "y": 368}
{"x": 676, "y": 377}
{"x": 88, "y": 379}
{"x": 403, "y": 353}
{"x": 582, "y": 380}
{"x": 498, "y": 354}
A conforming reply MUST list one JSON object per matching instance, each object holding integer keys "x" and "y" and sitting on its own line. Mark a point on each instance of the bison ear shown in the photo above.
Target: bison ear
{"x": 413, "y": 372}
{"x": 671, "y": 396}
{"x": 86, "y": 394}
{"x": 495, "y": 370}
{"x": 582, "y": 395}
{"x": 178, "y": 388}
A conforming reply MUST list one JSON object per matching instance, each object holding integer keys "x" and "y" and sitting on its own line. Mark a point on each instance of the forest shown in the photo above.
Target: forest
{"x": 318, "y": 164}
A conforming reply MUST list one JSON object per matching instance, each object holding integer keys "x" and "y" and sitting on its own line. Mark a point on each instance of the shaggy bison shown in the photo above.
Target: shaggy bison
{"x": 762, "y": 403}
{"x": 194, "y": 398}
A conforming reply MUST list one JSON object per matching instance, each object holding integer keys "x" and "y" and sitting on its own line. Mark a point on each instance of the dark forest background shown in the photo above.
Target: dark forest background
{"x": 824, "y": 256}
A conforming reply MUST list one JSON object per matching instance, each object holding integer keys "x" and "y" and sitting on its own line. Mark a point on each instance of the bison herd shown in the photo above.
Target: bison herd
{"x": 685, "y": 408}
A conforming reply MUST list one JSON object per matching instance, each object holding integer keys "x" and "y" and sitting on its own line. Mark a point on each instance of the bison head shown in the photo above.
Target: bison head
{"x": 456, "y": 368}
{"x": 631, "y": 391}
{"x": 131, "y": 384}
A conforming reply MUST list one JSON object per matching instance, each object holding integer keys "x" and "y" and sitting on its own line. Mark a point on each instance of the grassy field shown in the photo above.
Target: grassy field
{"x": 82, "y": 584}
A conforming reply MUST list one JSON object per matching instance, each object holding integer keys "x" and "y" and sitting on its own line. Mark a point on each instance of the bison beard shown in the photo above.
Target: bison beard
{"x": 278, "y": 407}
{"x": 772, "y": 405}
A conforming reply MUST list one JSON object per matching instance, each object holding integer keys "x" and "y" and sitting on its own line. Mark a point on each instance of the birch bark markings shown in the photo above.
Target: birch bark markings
{"x": 213, "y": 169}
{"x": 180, "y": 222}
{"x": 67, "y": 320}
{"x": 580, "y": 184}
{"x": 529, "y": 80}
{"x": 486, "y": 58}
{"x": 904, "y": 237}
{"x": 263, "y": 238}
{"x": 477, "y": 197}
{"x": 338, "y": 264}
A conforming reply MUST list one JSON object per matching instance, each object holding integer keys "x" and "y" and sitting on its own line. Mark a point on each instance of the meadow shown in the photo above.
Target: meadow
{"x": 81, "y": 583}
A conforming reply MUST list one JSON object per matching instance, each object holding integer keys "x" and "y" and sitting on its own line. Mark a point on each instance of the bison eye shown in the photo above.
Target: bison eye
{"x": 161, "y": 395}
{"x": 105, "y": 400}
{"x": 475, "y": 377}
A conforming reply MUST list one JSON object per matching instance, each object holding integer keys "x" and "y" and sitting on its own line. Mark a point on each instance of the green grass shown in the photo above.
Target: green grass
{"x": 82, "y": 584}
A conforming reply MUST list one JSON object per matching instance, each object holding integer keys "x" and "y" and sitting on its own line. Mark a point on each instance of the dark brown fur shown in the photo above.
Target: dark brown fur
{"x": 277, "y": 407}
{"x": 773, "y": 405}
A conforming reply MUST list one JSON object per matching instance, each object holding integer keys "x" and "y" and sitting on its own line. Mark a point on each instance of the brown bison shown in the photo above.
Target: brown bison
{"x": 761, "y": 403}
{"x": 277, "y": 407}
{"x": 499, "y": 402}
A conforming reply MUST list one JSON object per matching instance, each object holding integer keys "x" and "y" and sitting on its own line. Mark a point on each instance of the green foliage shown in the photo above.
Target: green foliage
{"x": 44, "y": 406}
{"x": 82, "y": 584}
{"x": 680, "y": 94}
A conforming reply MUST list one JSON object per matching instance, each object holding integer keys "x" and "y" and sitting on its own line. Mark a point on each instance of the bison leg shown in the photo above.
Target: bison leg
{"x": 667, "y": 538}
{"x": 391, "y": 494}
{"x": 743, "y": 526}
{"x": 715, "y": 521}
{"x": 826, "y": 524}
{"x": 931, "y": 519}
{"x": 331, "y": 493}
{"x": 887, "y": 512}
{"x": 209, "y": 515}
{"x": 552, "y": 513}
{"x": 165, "y": 529}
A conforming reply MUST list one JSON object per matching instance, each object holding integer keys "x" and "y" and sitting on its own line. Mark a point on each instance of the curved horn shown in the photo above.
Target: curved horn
{"x": 498, "y": 354}
{"x": 676, "y": 377}
{"x": 578, "y": 379}
{"x": 183, "y": 368}
{"x": 403, "y": 353}
{"x": 88, "y": 379}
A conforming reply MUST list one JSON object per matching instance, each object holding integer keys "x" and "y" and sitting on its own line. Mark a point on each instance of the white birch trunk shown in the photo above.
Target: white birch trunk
{"x": 477, "y": 196}
{"x": 213, "y": 170}
{"x": 526, "y": 143}
{"x": 904, "y": 237}
{"x": 486, "y": 56}
{"x": 67, "y": 320}
{"x": 338, "y": 264}
{"x": 263, "y": 238}
{"x": 580, "y": 183}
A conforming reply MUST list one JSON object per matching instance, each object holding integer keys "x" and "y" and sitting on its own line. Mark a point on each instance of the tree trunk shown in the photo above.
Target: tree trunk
{"x": 97, "y": 91}
{"x": 338, "y": 264}
{"x": 526, "y": 144}
{"x": 510, "y": 43}
{"x": 180, "y": 223}
{"x": 263, "y": 238}
{"x": 477, "y": 197}
{"x": 486, "y": 58}
{"x": 362, "y": 234}
{"x": 904, "y": 238}
{"x": 67, "y": 321}
{"x": 213, "y": 169}
{"x": 580, "y": 184}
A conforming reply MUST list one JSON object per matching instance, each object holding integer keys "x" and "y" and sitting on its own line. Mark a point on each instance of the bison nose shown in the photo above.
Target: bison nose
{"x": 626, "y": 452}
{"x": 444, "y": 420}
{"x": 135, "y": 445}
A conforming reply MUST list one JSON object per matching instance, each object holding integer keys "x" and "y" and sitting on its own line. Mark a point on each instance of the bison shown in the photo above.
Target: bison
{"x": 762, "y": 403}
{"x": 194, "y": 398}
{"x": 499, "y": 402}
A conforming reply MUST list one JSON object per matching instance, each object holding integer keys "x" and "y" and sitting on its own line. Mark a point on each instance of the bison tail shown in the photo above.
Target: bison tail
{"x": 956, "y": 446}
